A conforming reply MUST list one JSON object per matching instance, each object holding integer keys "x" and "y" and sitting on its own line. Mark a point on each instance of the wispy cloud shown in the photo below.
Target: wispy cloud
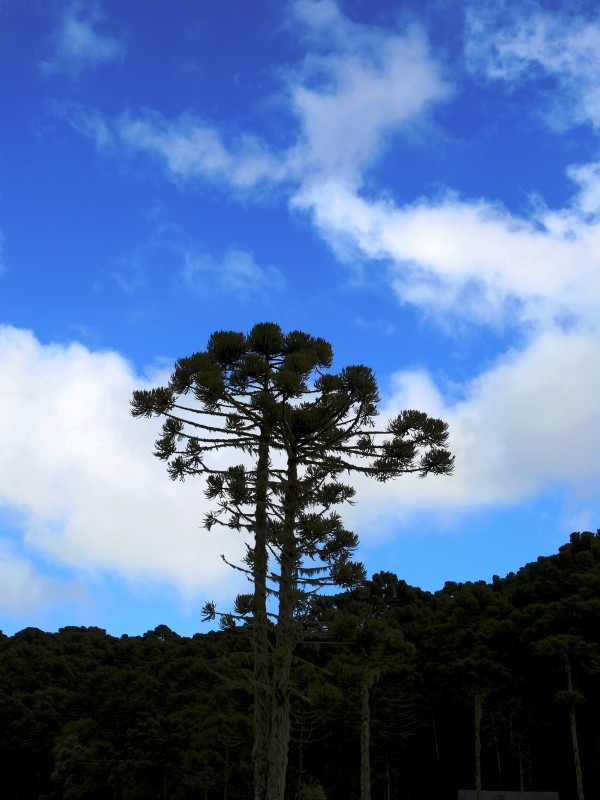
{"x": 189, "y": 149}
{"x": 347, "y": 95}
{"x": 88, "y": 122}
{"x": 186, "y": 148}
{"x": 453, "y": 256}
{"x": 170, "y": 257}
{"x": 78, "y": 45}
{"x": 351, "y": 91}
{"x": 517, "y": 44}
{"x": 237, "y": 274}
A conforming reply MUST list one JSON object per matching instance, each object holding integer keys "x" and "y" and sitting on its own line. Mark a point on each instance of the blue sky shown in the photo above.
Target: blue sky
{"x": 417, "y": 182}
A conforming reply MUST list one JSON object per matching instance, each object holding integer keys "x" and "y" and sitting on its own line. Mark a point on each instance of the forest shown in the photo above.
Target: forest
{"x": 421, "y": 689}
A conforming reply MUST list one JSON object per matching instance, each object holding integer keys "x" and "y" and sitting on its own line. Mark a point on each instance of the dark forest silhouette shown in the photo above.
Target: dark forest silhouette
{"x": 88, "y": 715}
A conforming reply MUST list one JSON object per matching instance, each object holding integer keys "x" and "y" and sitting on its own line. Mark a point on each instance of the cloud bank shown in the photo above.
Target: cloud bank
{"x": 78, "y": 472}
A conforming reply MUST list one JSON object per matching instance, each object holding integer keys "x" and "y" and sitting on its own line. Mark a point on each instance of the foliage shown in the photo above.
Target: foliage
{"x": 86, "y": 715}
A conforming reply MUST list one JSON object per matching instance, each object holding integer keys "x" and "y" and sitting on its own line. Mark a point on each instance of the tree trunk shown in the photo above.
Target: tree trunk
{"x": 478, "y": 746}
{"x": 300, "y": 758}
{"x": 284, "y": 642}
{"x": 521, "y": 771}
{"x": 365, "y": 739}
{"x": 280, "y": 725}
{"x": 497, "y": 749}
{"x": 388, "y": 778}
{"x": 574, "y": 739}
{"x": 435, "y": 738}
{"x": 227, "y": 766}
{"x": 262, "y": 691}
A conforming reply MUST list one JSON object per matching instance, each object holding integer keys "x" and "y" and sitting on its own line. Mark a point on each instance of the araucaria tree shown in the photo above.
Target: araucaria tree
{"x": 297, "y": 428}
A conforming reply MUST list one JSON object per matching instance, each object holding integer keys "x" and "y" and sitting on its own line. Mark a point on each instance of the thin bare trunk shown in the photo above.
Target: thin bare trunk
{"x": 521, "y": 772}
{"x": 284, "y": 643}
{"x": 574, "y": 739}
{"x": 478, "y": 746}
{"x": 262, "y": 693}
{"x": 497, "y": 749}
{"x": 435, "y": 738}
{"x": 301, "y": 757}
{"x": 365, "y": 740}
{"x": 388, "y": 779}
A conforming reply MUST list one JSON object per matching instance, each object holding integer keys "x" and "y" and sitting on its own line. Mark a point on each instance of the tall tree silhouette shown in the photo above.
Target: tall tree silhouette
{"x": 267, "y": 395}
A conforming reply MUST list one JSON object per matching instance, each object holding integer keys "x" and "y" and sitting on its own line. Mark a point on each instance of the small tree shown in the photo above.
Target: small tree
{"x": 267, "y": 395}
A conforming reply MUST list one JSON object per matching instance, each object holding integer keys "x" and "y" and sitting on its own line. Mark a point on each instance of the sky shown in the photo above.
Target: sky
{"x": 416, "y": 182}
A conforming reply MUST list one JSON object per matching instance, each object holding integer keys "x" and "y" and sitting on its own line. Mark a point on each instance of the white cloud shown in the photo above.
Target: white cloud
{"x": 451, "y": 256}
{"x": 321, "y": 21}
{"x": 587, "y": 179}
{"x": 187, "y": 148}
{"x": 78, "y": 45}
{"x": 517, "y": 44}
{"x": 366, "y": 84}
{"x": 528, "y": 424}
{"x": 360, "y": 85}
{"x": 190, "y": 148}
{"x": 237, "y": 273}
{"x": 454, "y": 257}
{"x": 79, "y": 471}
{"x": 471, "y": 257}
{"x": 24, "y": 589}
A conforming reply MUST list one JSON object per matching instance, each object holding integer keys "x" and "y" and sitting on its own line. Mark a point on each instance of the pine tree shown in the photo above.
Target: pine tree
{"x": 268, "y": 396}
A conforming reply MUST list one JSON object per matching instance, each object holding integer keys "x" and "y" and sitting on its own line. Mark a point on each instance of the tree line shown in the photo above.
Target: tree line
{"x": 418, "y": 691}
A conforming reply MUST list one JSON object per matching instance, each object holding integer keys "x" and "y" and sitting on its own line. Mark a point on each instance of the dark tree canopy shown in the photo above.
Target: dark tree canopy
{"x": 268, "y": 397}
{"x": 87, "y": 715}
